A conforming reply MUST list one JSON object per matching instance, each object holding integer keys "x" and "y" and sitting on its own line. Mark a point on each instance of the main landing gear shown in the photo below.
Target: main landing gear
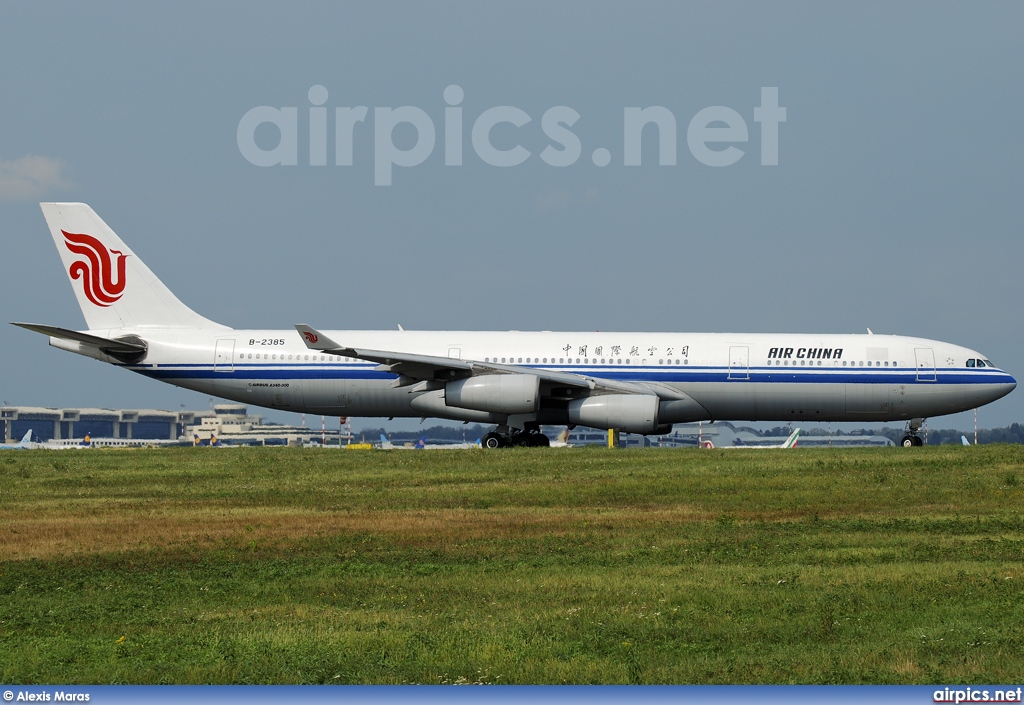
{"x": 912, "y": 439}
{"x": 531, "y": 438}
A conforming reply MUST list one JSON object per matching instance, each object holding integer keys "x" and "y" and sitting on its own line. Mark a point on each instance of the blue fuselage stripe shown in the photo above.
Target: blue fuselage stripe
{"x": 690, "y": 374}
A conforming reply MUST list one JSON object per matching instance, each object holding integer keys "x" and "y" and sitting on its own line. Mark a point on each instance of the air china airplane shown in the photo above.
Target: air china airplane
{"x": 633, "y": 382}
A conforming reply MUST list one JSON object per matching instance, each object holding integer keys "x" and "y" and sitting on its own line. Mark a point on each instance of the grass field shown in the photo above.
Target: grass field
{"x": 518, "y": 566}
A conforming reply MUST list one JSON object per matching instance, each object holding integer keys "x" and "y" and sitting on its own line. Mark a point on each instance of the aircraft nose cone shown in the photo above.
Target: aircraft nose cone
{"x": 1005, "y": 385}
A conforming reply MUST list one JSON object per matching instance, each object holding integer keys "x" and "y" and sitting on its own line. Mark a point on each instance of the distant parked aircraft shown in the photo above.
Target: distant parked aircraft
{"x": 788, "y": 443}
{"x": 25, "y": 443}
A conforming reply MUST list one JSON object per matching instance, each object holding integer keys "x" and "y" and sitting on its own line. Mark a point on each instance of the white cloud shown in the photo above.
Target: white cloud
{"x": 30, "y": 177}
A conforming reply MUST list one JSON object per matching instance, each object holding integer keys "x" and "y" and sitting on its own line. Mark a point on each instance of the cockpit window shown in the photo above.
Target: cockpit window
{"x": 970, "y": 363}
{"x": 989, "y": 363}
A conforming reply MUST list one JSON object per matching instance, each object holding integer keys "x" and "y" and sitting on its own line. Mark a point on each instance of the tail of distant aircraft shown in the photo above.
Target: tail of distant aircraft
{"x": 25, "y": 443}
{"x": 115, "y": 289}
{"x": 791, "y": 441}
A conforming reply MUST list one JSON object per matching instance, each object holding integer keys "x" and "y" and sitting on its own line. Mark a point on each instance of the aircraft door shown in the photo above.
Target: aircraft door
{"x": 925, "y": 364}
{"x": 739, "y": 367}
{"x": 224, "y": 356}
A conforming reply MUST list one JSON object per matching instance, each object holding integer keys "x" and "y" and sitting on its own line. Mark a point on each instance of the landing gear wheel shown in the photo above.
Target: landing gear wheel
{"x": 539, "y": 440}
{"x": 912, "y": 439}
{"x": 492, "y": 440}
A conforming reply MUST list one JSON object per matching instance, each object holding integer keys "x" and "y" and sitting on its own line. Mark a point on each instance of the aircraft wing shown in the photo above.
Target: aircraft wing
{"x": 413, "y": 368}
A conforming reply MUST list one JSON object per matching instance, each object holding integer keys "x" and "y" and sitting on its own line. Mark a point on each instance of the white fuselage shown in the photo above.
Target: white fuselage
{"x": 754, "y": 377}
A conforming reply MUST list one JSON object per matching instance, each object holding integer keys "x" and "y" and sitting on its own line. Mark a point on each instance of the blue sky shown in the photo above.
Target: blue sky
{"x": 895, "y": 204}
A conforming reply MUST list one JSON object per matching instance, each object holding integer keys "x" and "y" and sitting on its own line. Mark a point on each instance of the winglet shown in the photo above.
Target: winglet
{"x": 314, "y": 339}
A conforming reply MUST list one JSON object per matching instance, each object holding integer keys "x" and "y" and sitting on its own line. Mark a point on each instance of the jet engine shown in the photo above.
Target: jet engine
{"x": 631, "y": 413}
{"x": 502, "y": 394}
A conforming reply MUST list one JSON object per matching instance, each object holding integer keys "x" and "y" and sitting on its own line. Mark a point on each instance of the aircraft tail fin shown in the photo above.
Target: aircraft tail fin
{"x": 27, "y": 438}
{"x": 791, "y": 441}
{"x": 114, "y": 287}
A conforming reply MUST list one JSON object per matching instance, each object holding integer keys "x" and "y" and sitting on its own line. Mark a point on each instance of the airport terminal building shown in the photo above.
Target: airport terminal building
{"x": 228, "y": 423}
{"x": 60, "y": 424}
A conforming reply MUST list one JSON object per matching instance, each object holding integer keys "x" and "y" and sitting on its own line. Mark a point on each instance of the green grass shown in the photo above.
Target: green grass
{"x": 518, "y": 566}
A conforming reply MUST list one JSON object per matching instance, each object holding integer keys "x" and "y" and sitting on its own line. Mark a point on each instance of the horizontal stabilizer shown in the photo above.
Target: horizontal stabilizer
{"x": 117, "y": 348}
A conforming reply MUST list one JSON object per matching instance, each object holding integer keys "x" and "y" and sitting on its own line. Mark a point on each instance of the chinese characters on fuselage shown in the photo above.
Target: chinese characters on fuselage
{"x": 616, "y": 350}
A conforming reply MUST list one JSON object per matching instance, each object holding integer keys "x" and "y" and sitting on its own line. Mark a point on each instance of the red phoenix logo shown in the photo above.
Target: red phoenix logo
{"x": 311, "y": 337}
{"x": 97, "y": 270}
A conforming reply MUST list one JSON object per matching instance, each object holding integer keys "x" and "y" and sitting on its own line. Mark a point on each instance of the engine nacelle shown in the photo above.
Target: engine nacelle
{"x": 632, "y": 413}
{"x": 501, "y": 394}
{"x": 432, "y": 404}
{"x": 686, "y": 410}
